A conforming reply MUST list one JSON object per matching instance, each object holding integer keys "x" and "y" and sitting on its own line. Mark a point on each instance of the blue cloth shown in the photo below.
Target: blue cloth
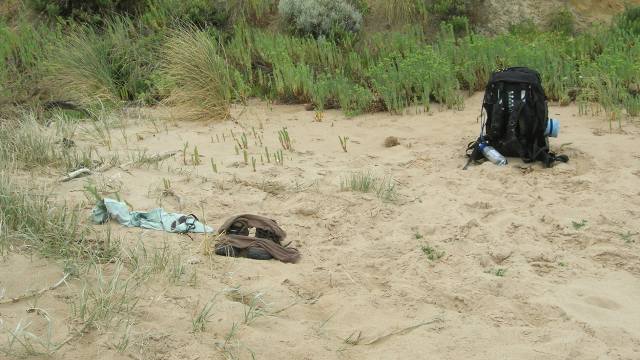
{"x": 156, "y": 219}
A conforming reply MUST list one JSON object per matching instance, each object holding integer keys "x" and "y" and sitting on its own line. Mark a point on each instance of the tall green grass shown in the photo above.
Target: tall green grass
{"x": 30, "y": 217}
{"x": 107, "y": 65}
{"x": 22, "y": 50}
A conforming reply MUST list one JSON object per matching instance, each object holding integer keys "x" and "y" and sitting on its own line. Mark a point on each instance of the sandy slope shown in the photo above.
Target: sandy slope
{"x": 566, "y": 294}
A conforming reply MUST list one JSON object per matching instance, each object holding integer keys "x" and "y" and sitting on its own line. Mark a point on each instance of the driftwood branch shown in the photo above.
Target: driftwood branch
{"x": 152, "y": 159}
{"x": 401, "y": 331}
{"x": 37, "y": 293}
{"x": 75, "y": 174}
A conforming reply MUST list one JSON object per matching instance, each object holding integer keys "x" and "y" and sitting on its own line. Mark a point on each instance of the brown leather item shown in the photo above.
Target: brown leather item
{"x": 240, "y": 239}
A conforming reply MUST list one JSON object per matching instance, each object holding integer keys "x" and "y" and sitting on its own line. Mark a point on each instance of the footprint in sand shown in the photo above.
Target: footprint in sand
{"x": 602, "y": 302}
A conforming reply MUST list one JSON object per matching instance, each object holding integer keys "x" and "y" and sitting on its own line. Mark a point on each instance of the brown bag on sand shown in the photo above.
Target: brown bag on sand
{"x": 234, "y": 239}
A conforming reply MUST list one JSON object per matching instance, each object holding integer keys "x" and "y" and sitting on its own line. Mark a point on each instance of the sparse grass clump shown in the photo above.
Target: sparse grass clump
{"x": 201, "y": 318}
{"x": 367, "y": 182}
{"x": 30, "y": 217}
{"x": 432, "y": 253}
{"x": 107, "y": 301}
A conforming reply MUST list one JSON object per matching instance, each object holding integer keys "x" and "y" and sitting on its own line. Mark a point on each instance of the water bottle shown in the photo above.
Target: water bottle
{"x": 553, "y": 128}
{"x": 492, "y": 154}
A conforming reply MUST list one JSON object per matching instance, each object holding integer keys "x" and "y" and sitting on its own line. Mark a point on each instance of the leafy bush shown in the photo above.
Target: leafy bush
{"x": 629, "y": 20}
{"x": 88, "y": 10}
{"x": 320, "y": 17}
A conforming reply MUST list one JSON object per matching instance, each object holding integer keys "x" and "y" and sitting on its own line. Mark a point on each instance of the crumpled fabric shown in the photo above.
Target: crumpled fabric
{"x": 156, "y": 219}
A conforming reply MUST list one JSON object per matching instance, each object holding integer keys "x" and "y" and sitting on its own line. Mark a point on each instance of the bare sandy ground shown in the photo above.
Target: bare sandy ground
{"x": 538, "y": 263}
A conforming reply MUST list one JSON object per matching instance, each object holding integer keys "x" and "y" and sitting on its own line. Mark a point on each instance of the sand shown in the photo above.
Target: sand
{"x": 537, "y": 264}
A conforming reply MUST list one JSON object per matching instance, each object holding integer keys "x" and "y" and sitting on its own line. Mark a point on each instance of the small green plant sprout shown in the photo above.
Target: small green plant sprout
{"x": 432, "y": 253}
{"x": 253, "y": 130}
{"x": 242, "y": 142}
{"x": 196, "y": 157}
{"x": 245, "y": 156}
{"x": 578, "y": 225}
{"x": 354, "y": 338}
{"x": 501, "y": 272}
{"x": 278, "y": 157}
{"x": 254, "y": 308}
{"x": 214, "y": 166}
{"x": 285, "y": 139}
{"x": 166, "y": 187}
{"x": 253, "y": 163}
{"x": 366, "y": 182}
{"x": 266, "y": 151}
{"x": 201, "y": 318}
{"x": 418, "y": 236}
{"x": 628, "y": 237}
{"x": 562, "y": 263}
{"x": 185, "y": 147}
{"x": 245, "y": 142}
{"x": 343, "y": 142}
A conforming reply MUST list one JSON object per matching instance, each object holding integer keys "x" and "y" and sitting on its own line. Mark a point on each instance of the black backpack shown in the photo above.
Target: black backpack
{"x": 516, "y": 117}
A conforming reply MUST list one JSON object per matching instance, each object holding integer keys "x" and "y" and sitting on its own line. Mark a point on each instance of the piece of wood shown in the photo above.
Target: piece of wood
{"x": 401, "y": 331}
{"x": 76, "y": 174}
{"x": 36, "y": 293}
{"x": 152, "y": 159}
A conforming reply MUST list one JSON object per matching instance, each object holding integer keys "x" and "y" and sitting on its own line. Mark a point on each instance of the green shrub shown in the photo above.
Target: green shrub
{"x": 320, "y": 17}
{"x": 336, "y": 91}
{"x": 629, "y": 20}
{"x": 415, "y": 78}
{"x": 460, "y": 25}
{"x": 562, "y": 21}
{"x": 447, "y": 9}
{"x": 524, "y": 28}
{"x": 86, "y": 10}
{"x": 160, "y": 14}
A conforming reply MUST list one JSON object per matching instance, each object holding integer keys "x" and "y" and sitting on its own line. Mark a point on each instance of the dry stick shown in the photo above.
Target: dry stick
{"x": 27, "y": 296}
{"x": 75, "y": 174}
{"x": 155, "y": 158}
{"x": 285, "y": 308}
{"x": 401, "y": 331}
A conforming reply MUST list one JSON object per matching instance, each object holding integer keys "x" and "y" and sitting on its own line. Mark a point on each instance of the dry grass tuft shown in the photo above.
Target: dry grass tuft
{"x": 199, "y": 75}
